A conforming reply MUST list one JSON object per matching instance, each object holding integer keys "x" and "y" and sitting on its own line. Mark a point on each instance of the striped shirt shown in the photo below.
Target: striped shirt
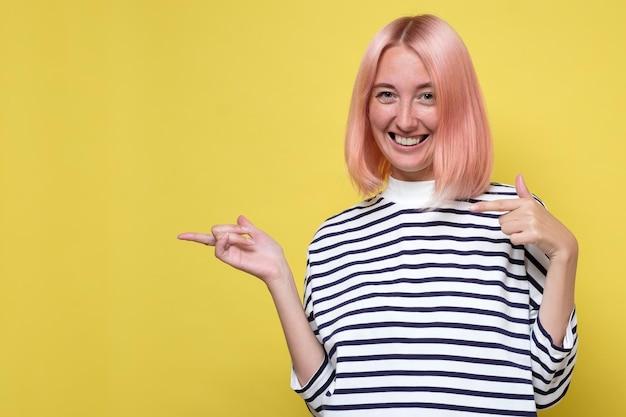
{"x": 429, "y": 312}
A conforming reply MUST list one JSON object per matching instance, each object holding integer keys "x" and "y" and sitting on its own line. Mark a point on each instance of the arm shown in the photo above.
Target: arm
{"x": 315, "y": 392}
{"x": 551, "y": 253}
{"x": 528, "y": 223}
{"x": 247, "y": 248}
{"x": 306, "y": 352}
{"x": 552, "y": 365}
{"x": 557, "y": 302}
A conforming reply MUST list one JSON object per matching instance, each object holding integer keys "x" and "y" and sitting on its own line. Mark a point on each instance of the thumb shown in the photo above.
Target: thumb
{"x": 245, "y": 223}
{"x": 520, "y": 187}
{"x": 249, "y": 228}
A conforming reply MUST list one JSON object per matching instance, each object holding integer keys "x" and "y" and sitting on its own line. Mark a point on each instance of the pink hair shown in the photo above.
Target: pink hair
{"x": 463, "y": 154}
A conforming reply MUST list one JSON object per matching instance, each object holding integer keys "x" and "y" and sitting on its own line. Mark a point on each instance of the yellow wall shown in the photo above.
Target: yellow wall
{"x": 125, "y": 122}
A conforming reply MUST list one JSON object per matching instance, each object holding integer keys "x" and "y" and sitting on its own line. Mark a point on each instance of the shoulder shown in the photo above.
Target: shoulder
{"x": 355, "y": 215}
{"x": 499, "y": 191}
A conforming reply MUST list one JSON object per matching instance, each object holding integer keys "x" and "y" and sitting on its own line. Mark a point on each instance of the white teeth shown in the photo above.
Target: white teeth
{"x": 408, "y": 141}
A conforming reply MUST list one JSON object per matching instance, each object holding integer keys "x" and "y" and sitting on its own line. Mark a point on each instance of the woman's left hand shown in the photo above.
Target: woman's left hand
{"x": 526, "y": 221}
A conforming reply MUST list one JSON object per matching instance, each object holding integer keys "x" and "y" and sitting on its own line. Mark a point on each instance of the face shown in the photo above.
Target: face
{"x": 403, "y": 114}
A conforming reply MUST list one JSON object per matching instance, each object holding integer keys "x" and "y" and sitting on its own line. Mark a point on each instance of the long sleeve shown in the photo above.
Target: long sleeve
{"x": 429, "y": 312}
{"x": 552, "y": 366}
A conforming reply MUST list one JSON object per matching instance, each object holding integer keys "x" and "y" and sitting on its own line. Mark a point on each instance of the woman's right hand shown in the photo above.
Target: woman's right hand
{"x": 245, "y": 247}
{"x": 251, "y": 250}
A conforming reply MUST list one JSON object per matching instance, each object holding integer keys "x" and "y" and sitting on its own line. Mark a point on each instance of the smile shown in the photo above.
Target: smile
{"x": 401, "y": 140}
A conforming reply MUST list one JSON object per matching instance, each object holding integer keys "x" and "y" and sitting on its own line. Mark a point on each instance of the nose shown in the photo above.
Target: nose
{"x": 407, "y": 118}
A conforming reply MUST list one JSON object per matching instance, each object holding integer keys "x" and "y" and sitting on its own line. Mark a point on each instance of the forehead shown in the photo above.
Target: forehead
{"x": 402, "y": 64}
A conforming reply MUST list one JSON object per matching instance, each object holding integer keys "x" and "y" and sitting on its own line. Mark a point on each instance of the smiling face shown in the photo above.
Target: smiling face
{"x": 403, "y": 114}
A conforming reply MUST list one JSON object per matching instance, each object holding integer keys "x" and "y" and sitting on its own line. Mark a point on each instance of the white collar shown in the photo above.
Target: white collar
{"x": 414, "y": 193}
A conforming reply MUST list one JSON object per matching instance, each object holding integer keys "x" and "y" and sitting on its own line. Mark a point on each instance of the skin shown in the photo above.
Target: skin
{"x": 402, "y": 104}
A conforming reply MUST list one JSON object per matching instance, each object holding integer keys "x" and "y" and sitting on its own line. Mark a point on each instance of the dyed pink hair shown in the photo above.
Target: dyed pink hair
{"x": 462, "y": 158}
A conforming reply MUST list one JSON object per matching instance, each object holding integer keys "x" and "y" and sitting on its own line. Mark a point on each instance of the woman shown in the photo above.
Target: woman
{"x": 442, "y": 295}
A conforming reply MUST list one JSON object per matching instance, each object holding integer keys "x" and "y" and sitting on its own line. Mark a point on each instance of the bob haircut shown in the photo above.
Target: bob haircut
{"x": 463, "y": 154}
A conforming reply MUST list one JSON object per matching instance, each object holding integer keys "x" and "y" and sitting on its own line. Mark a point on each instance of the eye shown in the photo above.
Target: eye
{"x": 427, "y": 98}
{"x": 385, "y": 96}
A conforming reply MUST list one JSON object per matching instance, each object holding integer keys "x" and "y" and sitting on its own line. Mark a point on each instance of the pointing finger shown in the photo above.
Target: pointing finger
{"x": 496, "y": 205}
{"x": 198, "y": 237}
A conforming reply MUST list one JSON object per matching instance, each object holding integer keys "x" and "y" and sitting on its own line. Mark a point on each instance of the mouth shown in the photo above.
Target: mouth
{"x": 410, "y": 141}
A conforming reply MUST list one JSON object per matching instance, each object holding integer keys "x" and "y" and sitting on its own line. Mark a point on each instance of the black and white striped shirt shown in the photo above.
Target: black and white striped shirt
{"x": 429, "y": 313}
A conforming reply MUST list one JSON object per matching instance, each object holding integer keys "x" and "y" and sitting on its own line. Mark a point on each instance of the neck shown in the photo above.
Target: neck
{"x": 414, "y": 193}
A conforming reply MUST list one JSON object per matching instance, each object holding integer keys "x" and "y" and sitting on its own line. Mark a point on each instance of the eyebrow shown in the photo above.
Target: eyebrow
{"x": 387, "y": 85}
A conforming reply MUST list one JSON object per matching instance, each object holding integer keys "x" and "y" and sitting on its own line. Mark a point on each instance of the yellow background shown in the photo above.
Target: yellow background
{"x": 125, "y": 122}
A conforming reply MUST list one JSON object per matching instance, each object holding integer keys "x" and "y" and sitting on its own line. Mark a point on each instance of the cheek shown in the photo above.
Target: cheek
{"x": 431, "y": 119}
{"x": 379, "y": 118}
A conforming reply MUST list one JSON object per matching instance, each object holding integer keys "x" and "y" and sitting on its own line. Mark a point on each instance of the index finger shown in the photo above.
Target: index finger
{"x": 203, "y": 238}
{"x": 496, "y": 205}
